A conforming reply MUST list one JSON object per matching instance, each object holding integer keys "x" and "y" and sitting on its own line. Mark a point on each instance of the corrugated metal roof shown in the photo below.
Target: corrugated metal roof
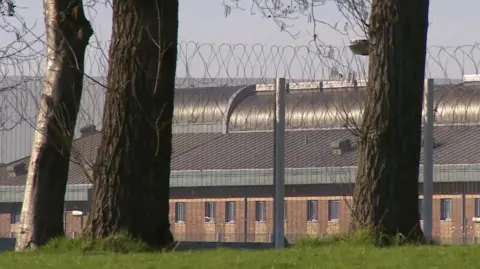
{"x": 254, "y": 150}
{"x": 202, "y": 105}
{"x": 203, "y": 109}
{"x": 308, "y": 109}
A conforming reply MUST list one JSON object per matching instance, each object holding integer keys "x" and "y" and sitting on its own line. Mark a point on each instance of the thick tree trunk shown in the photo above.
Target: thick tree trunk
{"x": 68, "y": 33}
{"x": 131, "y": 176}
{"x": 386, "y": 190}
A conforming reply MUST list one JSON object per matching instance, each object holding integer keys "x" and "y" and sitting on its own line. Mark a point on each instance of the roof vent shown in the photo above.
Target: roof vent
{"x": 88, "y": 130}
{"x": 341, "y": 146}
{"x": 17, "y": 169}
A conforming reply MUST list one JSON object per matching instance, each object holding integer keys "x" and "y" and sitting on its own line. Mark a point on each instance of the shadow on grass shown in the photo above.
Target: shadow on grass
{"x": 123, "y": 243}
{"x": 118, "y": 243}
{"x": 361, "y": 238}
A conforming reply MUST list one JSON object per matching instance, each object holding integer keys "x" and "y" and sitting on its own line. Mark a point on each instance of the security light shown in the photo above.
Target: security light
{"x": 77, "y": 213}
{"x": 359, "y": 46}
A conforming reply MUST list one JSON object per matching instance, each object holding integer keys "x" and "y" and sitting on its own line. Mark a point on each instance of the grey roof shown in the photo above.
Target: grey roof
{"x": 254, "y": 150}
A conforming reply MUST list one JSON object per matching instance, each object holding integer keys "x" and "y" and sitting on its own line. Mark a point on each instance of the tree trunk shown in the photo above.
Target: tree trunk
{"x": 132, "y": 172}
{"x": 68, "y": 33}
{"x": 386, "y": 190}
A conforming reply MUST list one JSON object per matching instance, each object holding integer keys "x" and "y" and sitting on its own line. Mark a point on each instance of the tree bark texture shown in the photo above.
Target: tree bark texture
{"x": 386, "y": 190}
{"x": 132, "y": 172}
{"x": 68, "y": 33}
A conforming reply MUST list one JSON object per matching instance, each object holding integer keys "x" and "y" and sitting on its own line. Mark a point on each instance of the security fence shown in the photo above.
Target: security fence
{"x": 222, "y": 181}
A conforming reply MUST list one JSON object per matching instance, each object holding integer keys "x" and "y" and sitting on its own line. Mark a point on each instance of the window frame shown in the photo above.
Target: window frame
{"x": 330, "y": 216}
{"x": 16, "y": 213}
{"x": 261, "y": 206}
{"x": 210, "y": 212}
{"x": 179, "y": 205}
{"x": 477, "y": 208}
{"x": 443, "y": 212}
{"x": 230, "y": 207}
{"x": 312, "y": 211}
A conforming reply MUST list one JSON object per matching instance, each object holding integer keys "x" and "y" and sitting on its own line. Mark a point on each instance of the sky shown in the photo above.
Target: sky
{"x": 204, "y": 22}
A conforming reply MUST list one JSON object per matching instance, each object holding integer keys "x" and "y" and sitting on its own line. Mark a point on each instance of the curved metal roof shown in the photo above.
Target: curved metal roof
{"x": 308, "y": 109}
{"x": 459, "y": 104}
{"x": 202, "y": 105}
{"x": 304, "y": 109}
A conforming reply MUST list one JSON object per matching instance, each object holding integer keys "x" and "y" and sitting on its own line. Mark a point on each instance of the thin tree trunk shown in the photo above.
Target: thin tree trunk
{"x": 386, "y": 190}
{"x": 68, "y": 33}
{"x": 132, "y": 173}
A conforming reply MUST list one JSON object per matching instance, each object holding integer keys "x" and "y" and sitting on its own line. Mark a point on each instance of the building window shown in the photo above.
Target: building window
{"x": 285, "y": 210}
{"x": 210, "y": 212}
{"x": 420, "y": 208}
{"x": 16, "y": 213}
{"x": 333, "y": 210}
{"x": 261, "y": 211}
{"x": 180, "y": 212}
{"x": 312, "y": 210}
{"x": 230, "y": 212}
{"x": 477, "y": 208}
{"x": 446, "y": 209}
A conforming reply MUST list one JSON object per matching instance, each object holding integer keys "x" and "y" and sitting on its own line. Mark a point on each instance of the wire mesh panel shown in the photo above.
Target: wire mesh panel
{"x": 322, "y": 124}
{"x": 21, "y": 85}
{"x": 231, "y": 170}
{"x": 456, "y": 158}
{"x": 223, "y": 142}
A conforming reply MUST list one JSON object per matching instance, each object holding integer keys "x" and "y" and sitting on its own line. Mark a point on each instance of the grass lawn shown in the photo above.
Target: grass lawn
{"x": 340, "y": 255}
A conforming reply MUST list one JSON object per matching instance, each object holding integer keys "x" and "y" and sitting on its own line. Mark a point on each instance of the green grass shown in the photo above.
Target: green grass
{"x": 118, "y": 243}
{"x": 334, "y": 253}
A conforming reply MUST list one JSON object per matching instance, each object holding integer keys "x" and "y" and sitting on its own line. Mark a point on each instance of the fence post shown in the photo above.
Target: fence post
{"x": 464, "y": 217}
{"x": 65, "y": 218}
{"x": 245, "y": 219}
{"x": 279, "y": 163}
{"x": 428, "y": 160}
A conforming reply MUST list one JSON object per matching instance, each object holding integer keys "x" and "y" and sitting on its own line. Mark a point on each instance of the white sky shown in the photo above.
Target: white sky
{"x": 452, "y": 24}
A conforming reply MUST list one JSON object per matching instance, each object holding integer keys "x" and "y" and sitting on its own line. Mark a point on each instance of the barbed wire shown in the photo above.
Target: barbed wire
{"x": 214, "y": 63}
{"x": 215, "y": 71}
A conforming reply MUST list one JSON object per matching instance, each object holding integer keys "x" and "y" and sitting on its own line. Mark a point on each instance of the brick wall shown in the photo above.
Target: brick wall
{"x": 5, "y": 220}
{"x": 296, "y": 225}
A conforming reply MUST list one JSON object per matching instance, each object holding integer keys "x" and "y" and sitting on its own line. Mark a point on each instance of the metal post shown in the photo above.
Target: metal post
{"x": 279, "y": 166}
{"x": 64, "y": 219}
{"x": 464, "y": 217}
{"x": 245, "y": 219}
{"x": 428, "y": 160}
